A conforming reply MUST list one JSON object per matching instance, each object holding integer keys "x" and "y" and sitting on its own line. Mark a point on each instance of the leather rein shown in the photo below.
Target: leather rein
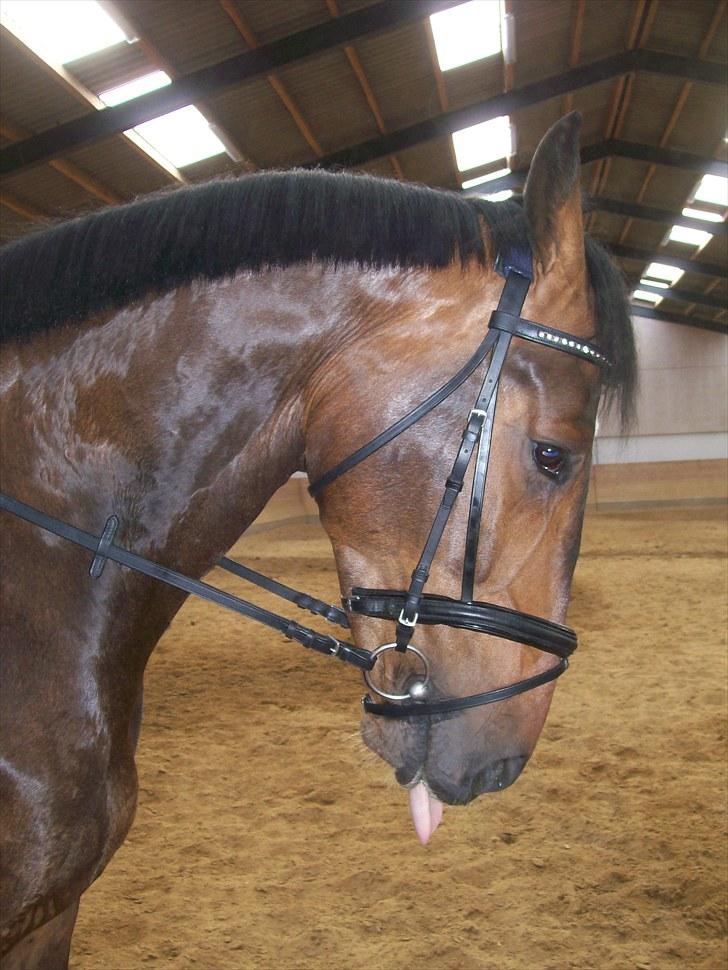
{"x": 413, "y": 606}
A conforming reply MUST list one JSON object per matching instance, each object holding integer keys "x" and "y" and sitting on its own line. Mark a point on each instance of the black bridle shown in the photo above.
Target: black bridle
{"x": 412, "y": 606}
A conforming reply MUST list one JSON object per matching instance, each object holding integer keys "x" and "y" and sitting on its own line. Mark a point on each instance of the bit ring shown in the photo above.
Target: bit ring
{"x": 400, "y": 697}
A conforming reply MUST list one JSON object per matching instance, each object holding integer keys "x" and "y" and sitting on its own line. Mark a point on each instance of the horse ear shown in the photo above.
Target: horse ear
{"x": 552, "y": 196}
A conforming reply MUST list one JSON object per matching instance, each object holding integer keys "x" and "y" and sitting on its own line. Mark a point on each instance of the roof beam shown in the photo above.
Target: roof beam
{"x": 700, "y": 323}
{"x": 701, "y": 164}
{"x": 24, "y": 209}
{"x": 651, "y": 214}
{"x": 211, "y": 80}
{"x": 71, "y": 171}
{"x": 646, "y": 256}
{"x": 684, "y": 296}
{"x": 526, "y": 96}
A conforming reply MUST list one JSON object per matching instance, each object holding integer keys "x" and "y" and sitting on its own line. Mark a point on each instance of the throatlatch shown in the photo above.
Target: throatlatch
{"x": 407, "y": 607}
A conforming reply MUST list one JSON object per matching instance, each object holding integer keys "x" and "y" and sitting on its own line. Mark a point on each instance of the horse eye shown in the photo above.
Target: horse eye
{"x": 550, "y": 460}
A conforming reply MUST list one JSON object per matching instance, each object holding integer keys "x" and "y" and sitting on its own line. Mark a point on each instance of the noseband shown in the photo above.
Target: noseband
{"x": 412, "y": 606}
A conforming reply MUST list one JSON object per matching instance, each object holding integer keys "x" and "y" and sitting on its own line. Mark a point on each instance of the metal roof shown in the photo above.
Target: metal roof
{"x": 300, "y": 82}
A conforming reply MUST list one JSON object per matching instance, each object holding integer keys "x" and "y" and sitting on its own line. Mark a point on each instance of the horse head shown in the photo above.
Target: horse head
{"x": 378, "y": 515}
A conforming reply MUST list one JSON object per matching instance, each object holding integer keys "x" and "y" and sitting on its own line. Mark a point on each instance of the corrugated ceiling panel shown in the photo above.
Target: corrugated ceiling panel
{"x": 272, "y": 19}
{"x": 108, "y": 68}
{"x": 669, "y": 188}
{"x": 676, "y": 33}
{"x": 399, "y": 69}
{"x": 13, "y": 226}
{"x": 191, "y": 34}
{"x": 652, "y": 102}
{"x": 430, "y": 164}
{"x": 330, "y": 98}
{"x": 700, "y": 128}
{"x": 29, "y": 97}
{"x": 474, "y": 82}
{"x": 542, "y": 39}
{"x": 261, "y": 126}
{"x": 625, "y": 178}
{"x": 121, "y": 167}
{"x": 51, "y": 192}
{"x": 605, "y": 29}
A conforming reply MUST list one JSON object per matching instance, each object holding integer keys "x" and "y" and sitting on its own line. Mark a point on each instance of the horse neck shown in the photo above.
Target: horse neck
{"x": 168, "y": 414}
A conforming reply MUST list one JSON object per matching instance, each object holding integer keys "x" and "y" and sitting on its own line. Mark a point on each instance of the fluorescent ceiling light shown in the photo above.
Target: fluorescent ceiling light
{"x": 712, "y": 188}
{"x": 661, "y": 271}
{"x": 469, "y": 183}
{"x": 135, "y": 88}
{"x": 60, "y": 31}
{"x": 691, "y": 237}
{"x": 647, "y": 297}
{"x": 702, "y": 214}
{"x": 466, "y": 33}
{"x": 482, "y": 143}
{"x": 182, "y": 137}
{"x": 658, "y": 283}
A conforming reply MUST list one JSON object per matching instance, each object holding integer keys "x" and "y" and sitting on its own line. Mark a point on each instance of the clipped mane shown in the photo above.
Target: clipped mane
{"x": 109, "y": 259}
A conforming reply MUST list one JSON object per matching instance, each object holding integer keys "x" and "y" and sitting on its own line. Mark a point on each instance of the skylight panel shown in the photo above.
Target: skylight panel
{"x": 646, "y": 297}
{"x": 703, "y": 214}
{"x": 691, "y": 237}
{"x": 481, "y": 179}
{"x": 60, "y": 31}
{"x": 182, "y": 137}
{"x": 661, "y": 271}
{"x": 712, "y": 188}
{"x": 497, "y": 196}
{"x": 482, "y": 143}
{"x": 467, "y": 33}
{"x": 134, "y": 89}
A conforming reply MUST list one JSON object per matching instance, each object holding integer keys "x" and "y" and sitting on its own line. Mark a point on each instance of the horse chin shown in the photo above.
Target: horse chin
{"x": 450, "y": 781}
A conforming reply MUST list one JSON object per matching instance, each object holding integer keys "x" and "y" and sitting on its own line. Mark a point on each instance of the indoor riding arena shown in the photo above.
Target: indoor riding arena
{"x": 278, "y": 824}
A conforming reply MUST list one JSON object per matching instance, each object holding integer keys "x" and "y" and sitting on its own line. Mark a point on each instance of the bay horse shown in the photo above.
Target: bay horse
{"x": 175, "y": 360}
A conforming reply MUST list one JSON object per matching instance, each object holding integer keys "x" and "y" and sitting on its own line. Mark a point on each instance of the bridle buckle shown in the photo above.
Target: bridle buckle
{"x": 478, "y": 412}
{"x": 405, "y": 622}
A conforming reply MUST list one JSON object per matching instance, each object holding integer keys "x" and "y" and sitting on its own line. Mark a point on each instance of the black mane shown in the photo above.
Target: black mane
{"x": 111, "y": 258}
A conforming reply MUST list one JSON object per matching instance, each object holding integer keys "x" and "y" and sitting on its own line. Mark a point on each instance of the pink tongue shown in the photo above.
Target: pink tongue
{"x": 426, "y": 812}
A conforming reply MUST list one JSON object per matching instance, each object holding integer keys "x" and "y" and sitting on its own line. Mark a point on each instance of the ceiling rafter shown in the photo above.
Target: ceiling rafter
{"x": 69, "y": 169}
{"x": 21, "y": 208}
{"x": 577, "y": 29}
{"x": 677, "y": 109}
{"x": 251, "y": 39}
{"x": 639, "y": 28}
{"x": 369, "y": 96}
{"x": 72, "y": 86}
{"x": 215, "y": 78}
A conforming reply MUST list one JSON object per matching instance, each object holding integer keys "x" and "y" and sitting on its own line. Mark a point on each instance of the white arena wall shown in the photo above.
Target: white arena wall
{"x": 677, "y": 449}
